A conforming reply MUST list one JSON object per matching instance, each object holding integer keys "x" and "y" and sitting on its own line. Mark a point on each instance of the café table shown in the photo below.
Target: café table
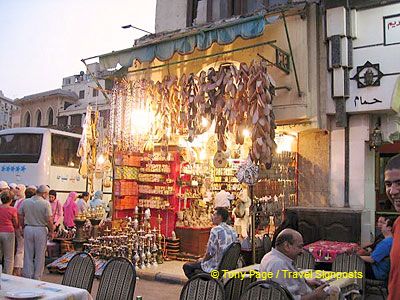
{"x": 326, "y": 251}
{"x": 44, "y": 290}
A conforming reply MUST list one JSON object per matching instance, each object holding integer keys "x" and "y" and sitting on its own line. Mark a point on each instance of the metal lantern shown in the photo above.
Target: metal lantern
{"x": 375, "y": 139}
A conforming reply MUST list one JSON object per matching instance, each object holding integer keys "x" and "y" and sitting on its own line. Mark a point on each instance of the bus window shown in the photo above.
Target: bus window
{"x": 20, "y": 147}
{"x": 63, "y": 151}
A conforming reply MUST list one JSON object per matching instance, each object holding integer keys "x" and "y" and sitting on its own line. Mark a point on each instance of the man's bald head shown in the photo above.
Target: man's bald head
{"x": 43, "y": 190}
{"x": 289, "y": 242}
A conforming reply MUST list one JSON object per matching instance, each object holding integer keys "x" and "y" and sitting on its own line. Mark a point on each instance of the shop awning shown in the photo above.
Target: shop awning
{"x": 165, "y": 45}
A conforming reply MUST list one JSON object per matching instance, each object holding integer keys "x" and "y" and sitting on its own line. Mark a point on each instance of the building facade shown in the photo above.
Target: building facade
{"x": 7, "y": 109}
{"x": 65, "y": 108}
{"x": 42, "y": 109}
{"x": 363, "y": 102}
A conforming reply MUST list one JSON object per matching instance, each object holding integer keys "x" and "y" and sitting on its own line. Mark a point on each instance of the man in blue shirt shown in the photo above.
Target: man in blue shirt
{"x": 221, "y": 237}
{"x": 378, "y": 263}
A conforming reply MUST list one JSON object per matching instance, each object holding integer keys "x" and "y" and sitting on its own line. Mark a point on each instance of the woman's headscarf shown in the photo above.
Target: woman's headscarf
{"x": 98, "y": 195}
{"x": 71, "y": 198}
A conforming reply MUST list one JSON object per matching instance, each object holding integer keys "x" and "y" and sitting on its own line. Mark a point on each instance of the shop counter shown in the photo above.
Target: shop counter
{"x": 193, "y": 240}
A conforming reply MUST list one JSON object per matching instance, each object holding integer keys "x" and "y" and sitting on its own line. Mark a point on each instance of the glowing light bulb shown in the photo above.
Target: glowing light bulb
{"x": 101, "y": 159}
{"x": 204, "y": 122}
{"x": 203, "y": 154}
{"x": 246, "y": 132}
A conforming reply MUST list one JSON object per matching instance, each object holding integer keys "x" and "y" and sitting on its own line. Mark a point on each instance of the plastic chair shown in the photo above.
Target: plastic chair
{"x": 80, "y": 272}
{"x": 267, "y": 290}
{"x": 234, "y": 287}
{"x": 202, "y": 287}
{"x": 305, "y": 261}
{"x": 118, "y": 280}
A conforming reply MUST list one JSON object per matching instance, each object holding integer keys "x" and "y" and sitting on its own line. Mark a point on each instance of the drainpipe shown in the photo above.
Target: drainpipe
{"x": 346, "y": 164}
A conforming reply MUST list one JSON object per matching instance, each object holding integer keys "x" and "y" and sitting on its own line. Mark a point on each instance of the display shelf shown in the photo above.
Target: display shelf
{"x": 154, "y": 172}
{"x": 155, "y": 182}
{"x": 155, "y": 194}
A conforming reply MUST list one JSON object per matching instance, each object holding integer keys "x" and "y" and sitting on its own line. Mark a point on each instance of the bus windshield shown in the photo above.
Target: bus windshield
{"x": 20, "y": 147}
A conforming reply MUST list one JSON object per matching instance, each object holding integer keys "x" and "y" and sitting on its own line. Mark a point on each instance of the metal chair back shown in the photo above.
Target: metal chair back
{"x": 230, "y": 258}
{"x": 305, "y": 261}
{"x": 234, "y": 287}
{"x": 118, "y": 280}
{"x": 80, "y": 272}
{"x": 267, "y": 290}
{"x": 202, "y": 287}
{"x": 349, "y": 263}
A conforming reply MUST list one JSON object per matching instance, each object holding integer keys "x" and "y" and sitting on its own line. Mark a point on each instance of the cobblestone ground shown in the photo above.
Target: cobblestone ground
{"x": 149, "y": 290}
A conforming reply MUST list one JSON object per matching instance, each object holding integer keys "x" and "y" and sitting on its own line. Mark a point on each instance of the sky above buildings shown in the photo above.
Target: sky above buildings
{"x": 43, "y": 41}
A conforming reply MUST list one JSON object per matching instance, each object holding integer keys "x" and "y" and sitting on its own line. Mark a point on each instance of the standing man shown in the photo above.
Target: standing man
{"x": 35, "y": 215}
{"x": 392, "y": 185}
{"x": 221, "y": 237}
{"x": 222, "y": 198}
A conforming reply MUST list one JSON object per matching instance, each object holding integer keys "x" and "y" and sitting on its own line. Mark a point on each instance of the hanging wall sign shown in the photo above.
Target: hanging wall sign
{"x": 391, "y": 29}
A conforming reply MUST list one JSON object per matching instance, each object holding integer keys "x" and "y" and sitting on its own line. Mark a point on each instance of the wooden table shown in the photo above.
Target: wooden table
{"x": 51, "y": 291}
{"x": 193, "y": 240}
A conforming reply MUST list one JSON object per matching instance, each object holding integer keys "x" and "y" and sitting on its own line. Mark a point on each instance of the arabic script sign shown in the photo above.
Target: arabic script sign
{"x": 391, "y": 29}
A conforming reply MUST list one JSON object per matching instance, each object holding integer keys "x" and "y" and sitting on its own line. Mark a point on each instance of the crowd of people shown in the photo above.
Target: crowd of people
{"x": 381, "y": 257}
{"x": 29, "y": 217}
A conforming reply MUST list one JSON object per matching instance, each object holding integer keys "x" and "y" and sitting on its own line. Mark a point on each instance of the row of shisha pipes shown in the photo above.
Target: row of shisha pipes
{"x": 135, "y": 241}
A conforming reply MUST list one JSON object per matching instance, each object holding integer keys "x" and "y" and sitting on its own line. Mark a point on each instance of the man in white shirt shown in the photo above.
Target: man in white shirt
{"x": 288, "y": 245}
{"x": 222, "y": 198}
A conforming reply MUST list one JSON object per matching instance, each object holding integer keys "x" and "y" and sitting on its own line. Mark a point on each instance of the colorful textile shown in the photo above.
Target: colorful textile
{"x": 56, "y": 210}
{"x": 70, "y": 210}
{"x": 326, "y": 251}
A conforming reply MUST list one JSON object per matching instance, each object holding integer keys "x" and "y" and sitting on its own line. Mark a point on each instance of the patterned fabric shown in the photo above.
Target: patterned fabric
{"x": 221, "y": 237}
{"x": 326, "y": 251}
{"x": 80, "y": 272}
{"x": 202, "y": 287}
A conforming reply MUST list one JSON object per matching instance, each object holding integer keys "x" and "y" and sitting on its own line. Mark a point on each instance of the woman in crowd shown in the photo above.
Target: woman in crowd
{"x": 82, "y": 202}
{"x": 56, "y": 209}
{"x": 290, "y": 220}
{"x": 70, "y": 210}
{"x": 97, "y": 200}
{"x": 19, "y": 252}
{"x": 8, "y": 226}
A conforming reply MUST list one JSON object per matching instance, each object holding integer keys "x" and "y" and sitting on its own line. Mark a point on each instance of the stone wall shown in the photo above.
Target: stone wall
{"x": 313, "y": 166}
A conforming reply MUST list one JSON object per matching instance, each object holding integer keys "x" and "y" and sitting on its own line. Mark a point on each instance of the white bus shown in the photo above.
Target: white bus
{"x": 34, "y": 156}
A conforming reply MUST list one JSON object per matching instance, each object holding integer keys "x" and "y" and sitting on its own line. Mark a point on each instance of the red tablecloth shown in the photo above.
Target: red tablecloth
{"x": 326, "y": 251}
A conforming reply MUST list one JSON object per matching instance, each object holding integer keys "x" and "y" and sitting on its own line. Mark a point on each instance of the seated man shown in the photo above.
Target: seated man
{"x": 367, "y": 249}
{"x": 378, "y": 263}
{"x": 288, "y": 245}
{"x": 221, "y": 237}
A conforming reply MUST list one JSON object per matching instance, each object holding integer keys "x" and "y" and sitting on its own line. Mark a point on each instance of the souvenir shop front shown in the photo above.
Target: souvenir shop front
{"x": 210, "y": 109}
